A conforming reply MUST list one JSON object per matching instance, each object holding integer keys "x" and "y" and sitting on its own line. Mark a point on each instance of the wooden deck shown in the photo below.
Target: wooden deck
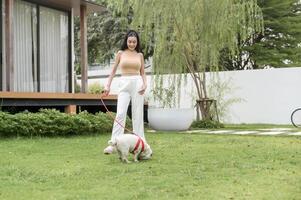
{"x": 70, "y": 101}
{"x": 46, "y": 95}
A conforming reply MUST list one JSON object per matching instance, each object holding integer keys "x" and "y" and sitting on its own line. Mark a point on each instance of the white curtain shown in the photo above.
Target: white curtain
{"x": 53, "y": 50}
{"x": 25, "y": 62}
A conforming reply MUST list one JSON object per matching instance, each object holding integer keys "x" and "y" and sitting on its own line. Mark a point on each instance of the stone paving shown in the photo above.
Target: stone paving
{"x": 272, "y": 131}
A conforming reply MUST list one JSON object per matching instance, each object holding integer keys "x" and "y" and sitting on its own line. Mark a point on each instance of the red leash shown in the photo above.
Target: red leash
{"x": 113, "y": 117}
{"x": 139, "y": 138}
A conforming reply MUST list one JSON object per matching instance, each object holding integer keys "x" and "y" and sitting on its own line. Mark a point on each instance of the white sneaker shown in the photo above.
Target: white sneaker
{"x": 109, "y": 150}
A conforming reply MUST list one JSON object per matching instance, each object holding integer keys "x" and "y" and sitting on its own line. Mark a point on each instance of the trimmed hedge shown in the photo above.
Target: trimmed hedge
{"x": 50, "y": 122}
{"x": 207, "y": 124}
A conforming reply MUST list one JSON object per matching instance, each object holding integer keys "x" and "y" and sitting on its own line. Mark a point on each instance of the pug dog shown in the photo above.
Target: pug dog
{"x": 131, "y": 143}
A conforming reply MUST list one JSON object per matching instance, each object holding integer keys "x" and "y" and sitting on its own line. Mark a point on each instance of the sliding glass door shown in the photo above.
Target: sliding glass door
{"x": 54, "y": 42}
{"x": 25, "y": 47}
{"x": 41, "y": 48}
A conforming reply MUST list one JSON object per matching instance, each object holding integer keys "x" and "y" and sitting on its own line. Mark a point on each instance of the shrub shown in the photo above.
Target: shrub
{"x": 95, "y": 88}
{"x": 50, "y": 122}
{"x": 77, "y": 88}
{"x": 207, "y": 124}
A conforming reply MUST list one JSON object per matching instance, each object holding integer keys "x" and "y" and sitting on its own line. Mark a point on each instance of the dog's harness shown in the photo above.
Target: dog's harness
{"x": 139, "y": 139}
{"x": 137, "y": 145}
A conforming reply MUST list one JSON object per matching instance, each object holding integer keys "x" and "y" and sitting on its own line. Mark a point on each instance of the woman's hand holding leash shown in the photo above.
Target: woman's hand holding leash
{"x": 142, "y": 90}
{"x": 106, "y": 91}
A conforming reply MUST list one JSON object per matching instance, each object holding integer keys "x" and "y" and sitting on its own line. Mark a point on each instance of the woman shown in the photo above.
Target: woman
{"x": 131, "y": 87}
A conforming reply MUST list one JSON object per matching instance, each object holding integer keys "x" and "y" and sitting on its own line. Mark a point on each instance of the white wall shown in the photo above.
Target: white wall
{"x": 264, "y": 96}
{"x": 269, "y": 96}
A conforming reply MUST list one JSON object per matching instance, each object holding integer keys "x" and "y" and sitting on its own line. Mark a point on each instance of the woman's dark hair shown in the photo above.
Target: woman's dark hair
{"x": 131, "y": 33}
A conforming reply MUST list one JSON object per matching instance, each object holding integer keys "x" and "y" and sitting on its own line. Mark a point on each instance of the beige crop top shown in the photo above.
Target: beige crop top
{"x": 130, "y": 63}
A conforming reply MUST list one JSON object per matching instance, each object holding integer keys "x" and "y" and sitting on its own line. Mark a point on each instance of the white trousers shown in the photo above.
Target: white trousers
{"x": 129, "y": 86}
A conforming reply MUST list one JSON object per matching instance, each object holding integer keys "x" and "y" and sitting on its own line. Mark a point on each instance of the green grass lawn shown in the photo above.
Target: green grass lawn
{"x": 184, "y": 166}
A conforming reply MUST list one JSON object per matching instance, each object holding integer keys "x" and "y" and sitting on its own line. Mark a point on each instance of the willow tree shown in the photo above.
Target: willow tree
{"x": 188, "y": 35}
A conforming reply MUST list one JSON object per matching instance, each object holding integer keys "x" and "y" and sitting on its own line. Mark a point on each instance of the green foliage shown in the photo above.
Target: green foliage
{"x": 95, "y": 88}
{"x": 219, "y": 89}
{"x": 280, "y": 45}
{"x": 206, "y": 124}
{"x": 188, "y": 35}
{"x": 77, "y": 88}
{"x": 50, "y": 122}
{"x": 164, "y": 97}
{"x": 193, "y": 32}
{"x": 104, "y": 35}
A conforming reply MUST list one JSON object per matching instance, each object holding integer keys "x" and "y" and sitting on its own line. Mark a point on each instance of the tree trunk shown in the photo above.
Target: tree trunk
{"x": 204, "y": 105}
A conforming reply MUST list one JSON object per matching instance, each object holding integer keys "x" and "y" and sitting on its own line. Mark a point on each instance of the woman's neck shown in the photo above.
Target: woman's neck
{"x": 132, "y": 51}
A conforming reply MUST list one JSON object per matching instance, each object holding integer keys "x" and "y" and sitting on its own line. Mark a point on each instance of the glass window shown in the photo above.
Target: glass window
{"x": 41, "y": 48}
{"x": 54, "y": 42}
{"x": 25, "y": 47}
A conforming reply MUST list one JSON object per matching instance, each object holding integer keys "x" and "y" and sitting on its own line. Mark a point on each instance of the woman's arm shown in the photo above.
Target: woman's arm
{"x": 142, "y": 73}
{"x": 113, "y": 72}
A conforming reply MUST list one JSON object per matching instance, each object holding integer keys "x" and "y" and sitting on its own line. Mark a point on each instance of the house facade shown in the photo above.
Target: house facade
{"x": 37, "y": 44}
